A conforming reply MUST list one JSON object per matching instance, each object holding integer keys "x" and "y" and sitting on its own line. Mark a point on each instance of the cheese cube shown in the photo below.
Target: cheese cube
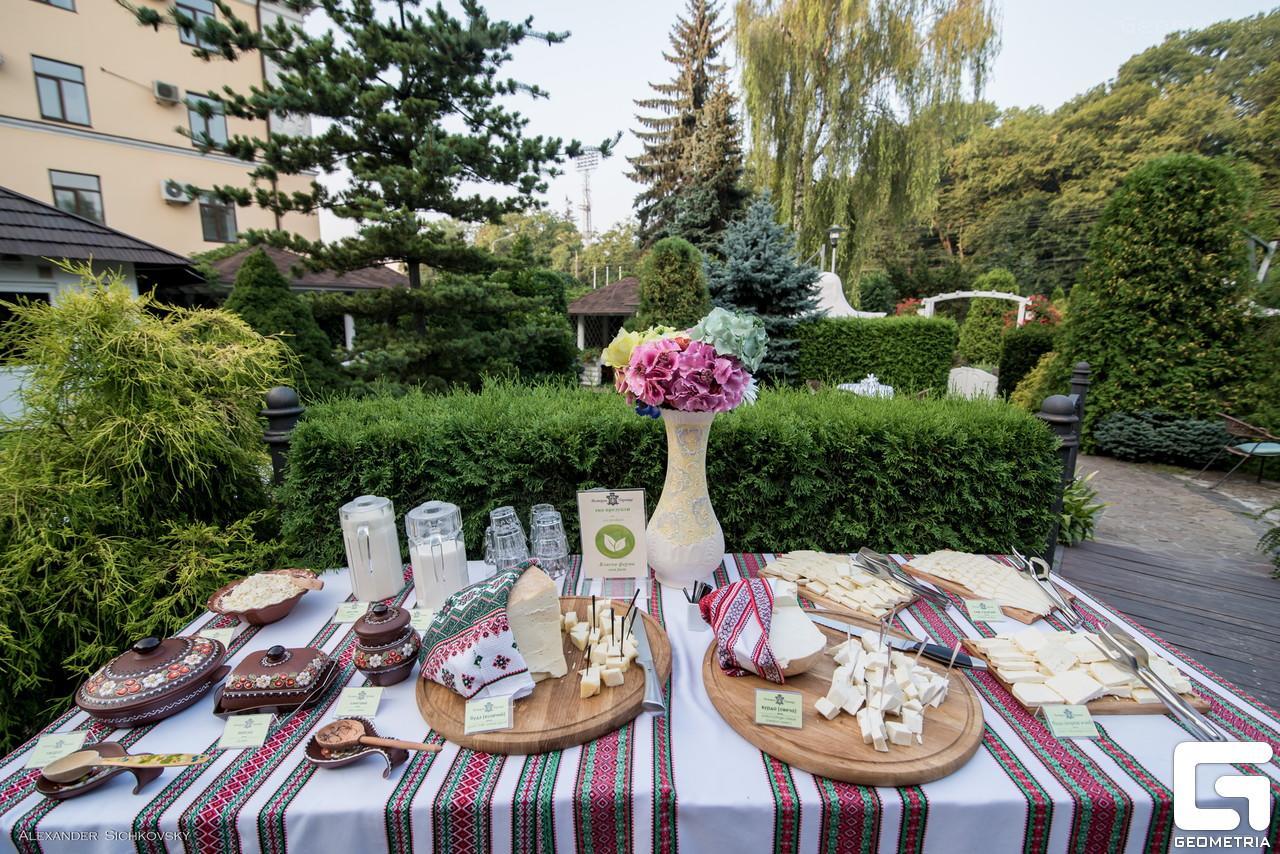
{"x": 898, "y": 733}
{"x": 612, "y": 677}
{"x": 838, "y": 692}
{"x": 843, "y": 675}
{"x": 578, "y": 635}
{"x": 845, "y": 651}
{"x": 826, "y": 708}
{"x": 864, "y": 725}
{"x": 1056, "y": 659}
{"x": 570, "y": 619}
{"x": 615, "y": 661}
{"x": 598, "y": 653}
{"x": 1075, "y": 686}
{"x": 1035, "y": 694}
{"x": 939, "y": 692}
{"x": 590, "y": 684}
{"x": 854, "y": 701}
{"x": 876, "y": 660}
{"x": 913, "y": 721}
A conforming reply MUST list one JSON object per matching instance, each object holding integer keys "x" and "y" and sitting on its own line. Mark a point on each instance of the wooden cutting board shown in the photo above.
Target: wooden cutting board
{"x": 1102, "y": 705}
{"x": 553, "y": 717}
{"x": 824, "y": 601}
{"x": 834, "y": 748}
{"x": 1020, "y": 614}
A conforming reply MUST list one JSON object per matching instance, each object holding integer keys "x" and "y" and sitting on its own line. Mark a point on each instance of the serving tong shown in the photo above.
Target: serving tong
{"x": 884, "y": 568}
{"x": 1040, "y": 573}
{"x": 1123, "y": 650}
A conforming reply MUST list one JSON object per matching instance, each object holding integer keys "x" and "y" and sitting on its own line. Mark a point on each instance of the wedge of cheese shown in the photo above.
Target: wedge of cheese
{"x": 533, "y": 609}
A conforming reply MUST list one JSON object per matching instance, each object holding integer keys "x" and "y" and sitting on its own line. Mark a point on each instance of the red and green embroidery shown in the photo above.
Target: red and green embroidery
{"x": 460, "y": 816}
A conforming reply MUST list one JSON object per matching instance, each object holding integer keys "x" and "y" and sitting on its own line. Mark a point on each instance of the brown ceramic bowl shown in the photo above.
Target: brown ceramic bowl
{"x": 153, "y": 680}
{"x": 269, "y": 614}
{"x": 323, "y": 758}
{"x": 97, "y": 776}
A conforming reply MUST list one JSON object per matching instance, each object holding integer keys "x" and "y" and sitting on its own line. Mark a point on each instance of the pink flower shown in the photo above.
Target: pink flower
{"x": 651, "y": 369}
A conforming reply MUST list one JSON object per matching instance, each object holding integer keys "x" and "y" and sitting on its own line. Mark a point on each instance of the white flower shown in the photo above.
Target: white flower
{"x": 263, "y": 681}
{"x": 375, "y": 660}
{"x": 193, "y": 658}
{"x": 304, "y": 677}
{"x": 407, "y": 648}
{"x": 151, "y": 680}
{"x": 107, "y": 687}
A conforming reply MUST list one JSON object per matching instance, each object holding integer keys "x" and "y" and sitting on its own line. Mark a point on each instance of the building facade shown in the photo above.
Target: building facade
{"x": 90, "y": 103}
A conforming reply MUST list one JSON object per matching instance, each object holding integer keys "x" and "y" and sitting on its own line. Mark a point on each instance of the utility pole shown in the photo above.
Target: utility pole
{"x": 586, "y": 164}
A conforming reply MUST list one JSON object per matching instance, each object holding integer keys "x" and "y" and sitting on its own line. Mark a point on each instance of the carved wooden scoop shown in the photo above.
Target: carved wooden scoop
{"x": 73, "y": 766}
{"x": 346, "y": 734}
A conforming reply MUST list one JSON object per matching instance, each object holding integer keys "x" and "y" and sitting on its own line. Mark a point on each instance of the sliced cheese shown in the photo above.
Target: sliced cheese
{"x": 1035, "y": 694}
{"x": 1075, "y": 686}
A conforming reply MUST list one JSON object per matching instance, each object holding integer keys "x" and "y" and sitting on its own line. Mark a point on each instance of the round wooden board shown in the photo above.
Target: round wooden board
{"x": 834, "y": 748}
{"x": 553, "y": 717}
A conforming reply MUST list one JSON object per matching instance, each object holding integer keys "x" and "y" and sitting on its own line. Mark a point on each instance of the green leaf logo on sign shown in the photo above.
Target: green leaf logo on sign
{"x": 615, "y": 541}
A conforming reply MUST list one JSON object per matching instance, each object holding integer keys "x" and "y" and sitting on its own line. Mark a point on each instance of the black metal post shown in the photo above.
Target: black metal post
{"x": 1059, "y": 412}
{"x": 1079, "y": 390}
{"x": 282, "y": 412}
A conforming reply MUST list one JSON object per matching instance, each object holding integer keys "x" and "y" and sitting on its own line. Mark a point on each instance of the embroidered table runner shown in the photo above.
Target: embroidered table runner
{"x": 669, "y": 783}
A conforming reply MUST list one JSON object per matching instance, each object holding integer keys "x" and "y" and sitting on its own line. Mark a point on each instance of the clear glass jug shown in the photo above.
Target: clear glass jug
{"x": 437, "y": 552}
{"x": 373, "y": 547}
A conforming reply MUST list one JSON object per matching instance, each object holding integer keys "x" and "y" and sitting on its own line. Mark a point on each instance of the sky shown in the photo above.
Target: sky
{"x": 1050, "y": 51}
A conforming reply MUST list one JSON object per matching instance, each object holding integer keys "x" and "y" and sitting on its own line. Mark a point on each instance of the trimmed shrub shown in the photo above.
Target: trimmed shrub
{"x": 262, "y": 297}
{"x": 1038, "y": 384}
{"x": 1159, "y": 437}
{"x": 673, "y": 285}
{"x": 1020, "y": 351}
{"x": 1158, "y": 312}
{"x": 983, "y": 327}
{"x": 876, "y": 292}
{"x": 132, "y": 480}
{"x": 910, "y": 353}
{"x": 795, "y": 470}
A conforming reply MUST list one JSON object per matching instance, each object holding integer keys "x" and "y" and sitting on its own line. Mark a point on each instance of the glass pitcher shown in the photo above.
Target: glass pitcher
{"x": 373, "y": 547}
{"x": 437, "y": 552}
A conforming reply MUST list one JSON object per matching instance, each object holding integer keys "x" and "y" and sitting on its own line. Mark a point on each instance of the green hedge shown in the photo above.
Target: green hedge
{"x": 795, "y": 470}
{"x": 1160, "y": 437}
{"x": 1019, "y": 353}
{"x": 908, "y": 353}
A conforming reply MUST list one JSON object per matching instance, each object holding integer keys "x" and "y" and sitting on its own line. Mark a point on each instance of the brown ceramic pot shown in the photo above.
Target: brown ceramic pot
{"x": 153, "y": 680}
{"x": 270, "y": 613}
{"x": 276, "y": 678}
{"x": 386, "y": 644}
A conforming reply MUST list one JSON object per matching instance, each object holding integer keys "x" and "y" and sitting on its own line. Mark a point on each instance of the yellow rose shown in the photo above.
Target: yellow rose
{"x": 618, "y": 354}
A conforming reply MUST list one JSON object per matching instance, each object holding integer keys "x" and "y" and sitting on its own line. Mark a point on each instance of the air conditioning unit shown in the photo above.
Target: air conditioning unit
{"x": 166, "y": 93}
{"x": 174, "y": 193}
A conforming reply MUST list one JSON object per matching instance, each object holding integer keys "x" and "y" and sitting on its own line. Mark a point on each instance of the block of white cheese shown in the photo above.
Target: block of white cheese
{"x": 1056, "y": 658}
{"x": 796, "y": 642}
{"x": 1075, "y": 686}
{"x": 1035, "y": 694}
{"x": 533, "y": 610}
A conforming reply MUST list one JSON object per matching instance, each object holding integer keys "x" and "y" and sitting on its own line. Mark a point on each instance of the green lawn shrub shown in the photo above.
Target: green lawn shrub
{"x": 795, "y": 470}
{"x": 1160, "y": 437}
{"x": 910, "y": 353}
{"x": 1020, "y": 351}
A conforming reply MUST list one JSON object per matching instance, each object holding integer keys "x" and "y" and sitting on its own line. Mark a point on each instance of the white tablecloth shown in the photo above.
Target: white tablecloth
{"x": 683, "y": 782}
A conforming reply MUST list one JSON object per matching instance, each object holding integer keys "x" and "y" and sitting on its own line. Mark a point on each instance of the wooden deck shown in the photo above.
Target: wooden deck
{"x": 1224, "y": 614}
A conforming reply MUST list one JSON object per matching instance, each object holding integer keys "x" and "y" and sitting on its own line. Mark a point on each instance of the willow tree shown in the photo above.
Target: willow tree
{"x": 851, "y": 104}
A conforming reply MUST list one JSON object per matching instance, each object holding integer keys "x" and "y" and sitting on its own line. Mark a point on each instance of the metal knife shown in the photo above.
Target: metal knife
{"x": 935, "y": 651}
{"x": 644, "y": 657}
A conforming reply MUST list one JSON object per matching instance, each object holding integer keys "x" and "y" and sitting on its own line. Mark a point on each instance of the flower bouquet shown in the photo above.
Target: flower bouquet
{"x": 686, "y": 377}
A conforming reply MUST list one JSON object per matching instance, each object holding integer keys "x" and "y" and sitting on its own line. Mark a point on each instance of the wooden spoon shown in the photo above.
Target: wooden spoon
{"x": 73, "y": 766}
{"x": 346, "y": 734}
{"x": 303, "y": 579}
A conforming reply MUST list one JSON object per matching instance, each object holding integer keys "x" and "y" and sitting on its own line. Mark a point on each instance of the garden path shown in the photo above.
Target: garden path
{"x": 1181, "y": 560}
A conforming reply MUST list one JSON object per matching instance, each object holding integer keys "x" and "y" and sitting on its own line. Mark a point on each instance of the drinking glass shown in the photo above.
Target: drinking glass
{"x": 505, "y": 544}
{"x": 550, "y": 545}
{"x": 538, "y": 510}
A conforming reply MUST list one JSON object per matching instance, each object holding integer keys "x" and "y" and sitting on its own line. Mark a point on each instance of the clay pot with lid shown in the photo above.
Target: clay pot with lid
{"x": 277, "y": 678}
{"x": 386, "y": 644}
{"x": 153, "y": 680}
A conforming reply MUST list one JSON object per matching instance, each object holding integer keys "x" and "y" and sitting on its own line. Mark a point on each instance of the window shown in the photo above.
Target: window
{"x": 218, "y": 220}
{"x": 6, "y": 313}
{"x": 77, "y": 193}
{"x": 199, "y": 11}
{"x": 60, "y": 88}
{"x": 69, "y": 5}
{"x": 206, "y": 131}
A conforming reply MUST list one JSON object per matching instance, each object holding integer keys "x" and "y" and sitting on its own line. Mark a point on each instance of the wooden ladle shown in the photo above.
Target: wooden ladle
{"x": 304, "y": 580}
{"x": 73, "y": 766}
{"x": 346, "y": 734}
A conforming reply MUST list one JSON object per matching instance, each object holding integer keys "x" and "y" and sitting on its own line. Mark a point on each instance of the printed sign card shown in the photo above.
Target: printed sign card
{"x": 358, "y": 701}
{"x": 1070, "y": 722}
{"x": 245, "y": 731}
{"x": 984, "y": 610}
{"x": 613, "y": 544}
{"x": 487, "y": 714}
{"x": 420, "y": 618}
{"x": 779, "y": 708}
{"x": 55, "y": 746}
{"x": 349, "y": 612}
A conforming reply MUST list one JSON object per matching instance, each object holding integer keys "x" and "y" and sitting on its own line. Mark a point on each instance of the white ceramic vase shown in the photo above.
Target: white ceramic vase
{"x": 684, "y": 538}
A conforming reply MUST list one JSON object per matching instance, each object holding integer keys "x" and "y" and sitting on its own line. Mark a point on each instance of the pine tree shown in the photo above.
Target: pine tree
{"x": 691, "y": 165}
{"x": 263, "y": 299}
{"x": 416, "y": 112}
{"x": 761, "y": 274}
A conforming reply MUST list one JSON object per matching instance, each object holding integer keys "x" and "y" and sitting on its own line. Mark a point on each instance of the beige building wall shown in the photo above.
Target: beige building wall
{"x": 132, "y": 143}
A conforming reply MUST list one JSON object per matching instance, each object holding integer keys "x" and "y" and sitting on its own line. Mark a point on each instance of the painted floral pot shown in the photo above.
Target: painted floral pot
{"x": 684, "y": 538}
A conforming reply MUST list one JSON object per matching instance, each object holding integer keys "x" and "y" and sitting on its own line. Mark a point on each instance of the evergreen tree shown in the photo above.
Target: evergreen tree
{"x": 263, "y": 299}
{"x": 761, "y": 274}
{"x": 673, "y": 286}
{"x": 415, "y": 111}
{"x": 691, "y": 165}
{"x": 983, "y": 327}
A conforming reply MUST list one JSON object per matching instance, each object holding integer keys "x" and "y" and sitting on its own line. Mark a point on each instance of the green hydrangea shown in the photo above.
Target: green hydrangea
{"x": 733, "y": 334}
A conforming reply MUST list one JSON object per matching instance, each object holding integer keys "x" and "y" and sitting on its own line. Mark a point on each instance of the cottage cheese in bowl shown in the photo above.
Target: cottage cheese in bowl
{"x": 259, "y": 591}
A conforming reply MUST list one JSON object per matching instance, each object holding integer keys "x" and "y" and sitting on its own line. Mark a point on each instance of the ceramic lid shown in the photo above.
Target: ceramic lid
{"x": 153, "y": 669}
{"x": 276, "y": 673}
{"x": 381, "y": 624}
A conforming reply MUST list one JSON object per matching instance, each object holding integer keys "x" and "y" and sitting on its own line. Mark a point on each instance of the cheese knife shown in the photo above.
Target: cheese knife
{"x": 644, "y": 657}
{"x": 935, "y": 651}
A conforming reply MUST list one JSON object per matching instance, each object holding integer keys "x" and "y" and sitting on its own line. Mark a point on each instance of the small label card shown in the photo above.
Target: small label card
{"x": 358, "y": 701}
{"x": 984, "y": 610}
{"x": 55, "y": 746}
{"x": 487, "y": 715}
{"x": 420, "y": 618}
{"x": 1070, "y": 721}
{"x": 349, "y": 612}
{"x": 779, "y": 708}
{"x": 222, "y": 636}
{"x": 245, "y": 731}
{"x": 612, "y": 522}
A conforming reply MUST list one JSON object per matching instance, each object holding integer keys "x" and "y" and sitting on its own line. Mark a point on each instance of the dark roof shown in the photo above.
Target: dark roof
{"x": 32, "y": 227}
{"x": 620, "y": 298}
{"x": 369, "y": 278}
